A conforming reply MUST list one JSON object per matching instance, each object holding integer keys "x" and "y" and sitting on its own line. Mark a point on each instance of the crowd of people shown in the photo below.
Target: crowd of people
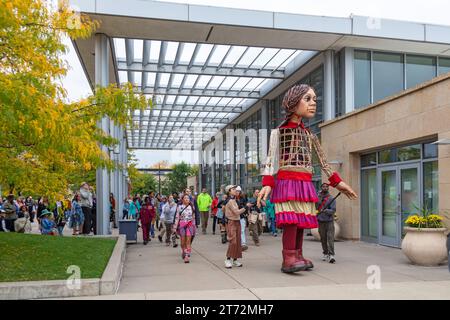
{"x": 230, "y": 211}
{"x": 169, "y": 218}
{"x": 77, "y": 213}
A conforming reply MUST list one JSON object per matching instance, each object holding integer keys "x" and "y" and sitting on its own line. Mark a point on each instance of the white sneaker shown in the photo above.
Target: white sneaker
{"x": 237, "y": 263}
{"x": 325, "y": 257}
{"x": 228, "y": 264}
{"x": 332, "y": 259}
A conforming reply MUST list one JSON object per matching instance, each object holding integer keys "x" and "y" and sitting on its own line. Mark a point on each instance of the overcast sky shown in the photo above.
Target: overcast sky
{"x": 431, "y": 11}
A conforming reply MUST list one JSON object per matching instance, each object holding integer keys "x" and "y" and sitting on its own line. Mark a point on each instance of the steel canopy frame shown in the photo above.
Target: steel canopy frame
{"x": 211, "y": 84}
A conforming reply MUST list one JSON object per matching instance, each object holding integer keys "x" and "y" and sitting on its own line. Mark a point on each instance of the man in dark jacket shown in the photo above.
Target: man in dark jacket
{"x": 325, "y": 216}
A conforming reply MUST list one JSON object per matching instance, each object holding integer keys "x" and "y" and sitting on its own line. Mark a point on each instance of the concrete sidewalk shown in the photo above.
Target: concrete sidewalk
{"x": 156, "y": 271}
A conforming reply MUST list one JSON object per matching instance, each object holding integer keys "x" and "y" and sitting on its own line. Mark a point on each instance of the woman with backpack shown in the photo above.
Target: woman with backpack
{"x": 184, "y": 225}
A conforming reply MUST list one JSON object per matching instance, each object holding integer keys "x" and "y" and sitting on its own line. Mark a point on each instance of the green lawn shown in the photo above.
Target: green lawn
{"x": 29, "y": 257}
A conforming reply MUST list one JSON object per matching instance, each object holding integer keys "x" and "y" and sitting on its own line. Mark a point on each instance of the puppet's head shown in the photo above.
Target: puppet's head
{"x": 300, "y": 100}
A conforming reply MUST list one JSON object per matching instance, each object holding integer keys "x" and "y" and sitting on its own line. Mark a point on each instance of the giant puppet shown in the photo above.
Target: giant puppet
{"x": 293, "y": 193}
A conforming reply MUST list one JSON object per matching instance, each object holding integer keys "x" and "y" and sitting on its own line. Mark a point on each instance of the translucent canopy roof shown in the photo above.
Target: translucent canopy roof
{"x": 195, "y": 87}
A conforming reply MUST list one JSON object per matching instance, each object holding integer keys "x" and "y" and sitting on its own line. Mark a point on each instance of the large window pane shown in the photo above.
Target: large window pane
{"x": 387, "y": 74}
{"x": 362, "y": 78}
{"x": 444, "y": 65}
{"x": 431, "y": 186}
{"x": 387, "y": 156}
{"x": 430, "y": 151}
{"x": 408, "y": 153}
{"x": 419, "y": 69}
{"x": 369, "y": 210}
{"x": 368, "y": 160}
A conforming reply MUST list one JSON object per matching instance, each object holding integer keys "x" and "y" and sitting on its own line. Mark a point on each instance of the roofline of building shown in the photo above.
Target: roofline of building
{"x": 396, "y": 96}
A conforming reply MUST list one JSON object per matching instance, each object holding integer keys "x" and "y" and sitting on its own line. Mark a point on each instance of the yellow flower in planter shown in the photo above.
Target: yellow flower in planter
{"x": 426, "y": 220}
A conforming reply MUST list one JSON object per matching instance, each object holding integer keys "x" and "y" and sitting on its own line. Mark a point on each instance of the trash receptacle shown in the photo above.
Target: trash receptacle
{"x": 128, "y": 228}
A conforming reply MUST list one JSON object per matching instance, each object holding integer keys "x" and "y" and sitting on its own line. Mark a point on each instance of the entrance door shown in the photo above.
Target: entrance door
{"x": 399, "y": 195}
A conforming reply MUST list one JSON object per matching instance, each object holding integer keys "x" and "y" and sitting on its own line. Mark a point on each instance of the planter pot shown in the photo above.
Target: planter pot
{"x": 337, "y": 231}
{"x": 425, "y": 246}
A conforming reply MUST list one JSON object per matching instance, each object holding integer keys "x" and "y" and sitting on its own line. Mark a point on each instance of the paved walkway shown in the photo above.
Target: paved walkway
{"x": 156, "y": 271}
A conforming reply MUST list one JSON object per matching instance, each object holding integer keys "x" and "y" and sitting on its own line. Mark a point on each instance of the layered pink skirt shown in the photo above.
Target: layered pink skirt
{"x": 295, "y": 203}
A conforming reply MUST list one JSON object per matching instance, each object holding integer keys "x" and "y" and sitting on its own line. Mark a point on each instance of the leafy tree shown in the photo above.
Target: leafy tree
{"x": 143, "y": 183}
{"x": 46, "y": 143}
{"x": 164, "y": 164}
{"x": 177, "y": 179}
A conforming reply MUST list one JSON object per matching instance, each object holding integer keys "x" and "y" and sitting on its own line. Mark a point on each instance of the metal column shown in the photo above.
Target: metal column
{"x": 102, "y": 179}
{"x": 328, "y": 94}
{"x": 200, "y": 168}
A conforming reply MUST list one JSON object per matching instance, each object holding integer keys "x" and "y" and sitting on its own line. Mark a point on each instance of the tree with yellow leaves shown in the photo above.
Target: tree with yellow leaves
{"x": 46, "y": 143}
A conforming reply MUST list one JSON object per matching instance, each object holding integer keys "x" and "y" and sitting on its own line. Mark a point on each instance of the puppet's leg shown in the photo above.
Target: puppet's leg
{"x": 299, "y": 249}
{"x": 290, "y": 263}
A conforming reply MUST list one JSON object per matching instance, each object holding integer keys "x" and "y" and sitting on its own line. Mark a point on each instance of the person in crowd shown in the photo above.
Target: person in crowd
{"x": 193, "y": 201}
{"x": 48, "y": 226}
{"x": 10, "y": 213}
{"x": 22, "y": 223}
{"x": 112, "y": 210}
{"x": 233, "y": 214}
{"x": 76, "y": 219}
{"x": 214, "y": 210}
{"x": 326, "y": 209}
{"x": 185, "y": 225}
{"x": 241, "y": 200}
{"x": 146, "y": 215}
{"x": 221, "y": 217}
{"x": 155, "y": 222}
{"x": 204, "y": 204}
{"x": 269, "y": 209}
{"x": 161, "y": 228}
{"x": 126, "y": 208}
{"x": 133, "y": 210}
{"x": 169, "y": 211}
{"x": 29, "y": 205}
{"x": 86, "y": 206}
{"x": 59, "y": 217}
{"x": 254, "y": 218}
{"x": 42, "y": 205}
{"x": 94, "y": 213}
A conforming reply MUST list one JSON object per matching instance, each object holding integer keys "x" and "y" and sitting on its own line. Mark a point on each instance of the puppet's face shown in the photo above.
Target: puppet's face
{"x": 306, "y": 108}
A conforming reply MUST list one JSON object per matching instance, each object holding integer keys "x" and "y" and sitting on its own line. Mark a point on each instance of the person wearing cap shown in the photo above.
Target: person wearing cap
{"x": 48, "y": 226}
{"x": 233, "y": 214}
{"x": 242, "y": 201}
{"x": 290, "y": 155}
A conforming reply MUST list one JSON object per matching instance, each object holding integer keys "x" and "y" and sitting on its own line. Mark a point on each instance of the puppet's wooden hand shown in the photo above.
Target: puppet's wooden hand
{"x": 263, "y": 194}
{"x": 347, "y": 190}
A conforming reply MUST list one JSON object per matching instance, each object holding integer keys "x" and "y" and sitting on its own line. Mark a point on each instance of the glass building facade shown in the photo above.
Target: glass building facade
{"x": 378, "y": 75}
{"x": 404, "y": 177}
{"x": 401, "y": 178}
